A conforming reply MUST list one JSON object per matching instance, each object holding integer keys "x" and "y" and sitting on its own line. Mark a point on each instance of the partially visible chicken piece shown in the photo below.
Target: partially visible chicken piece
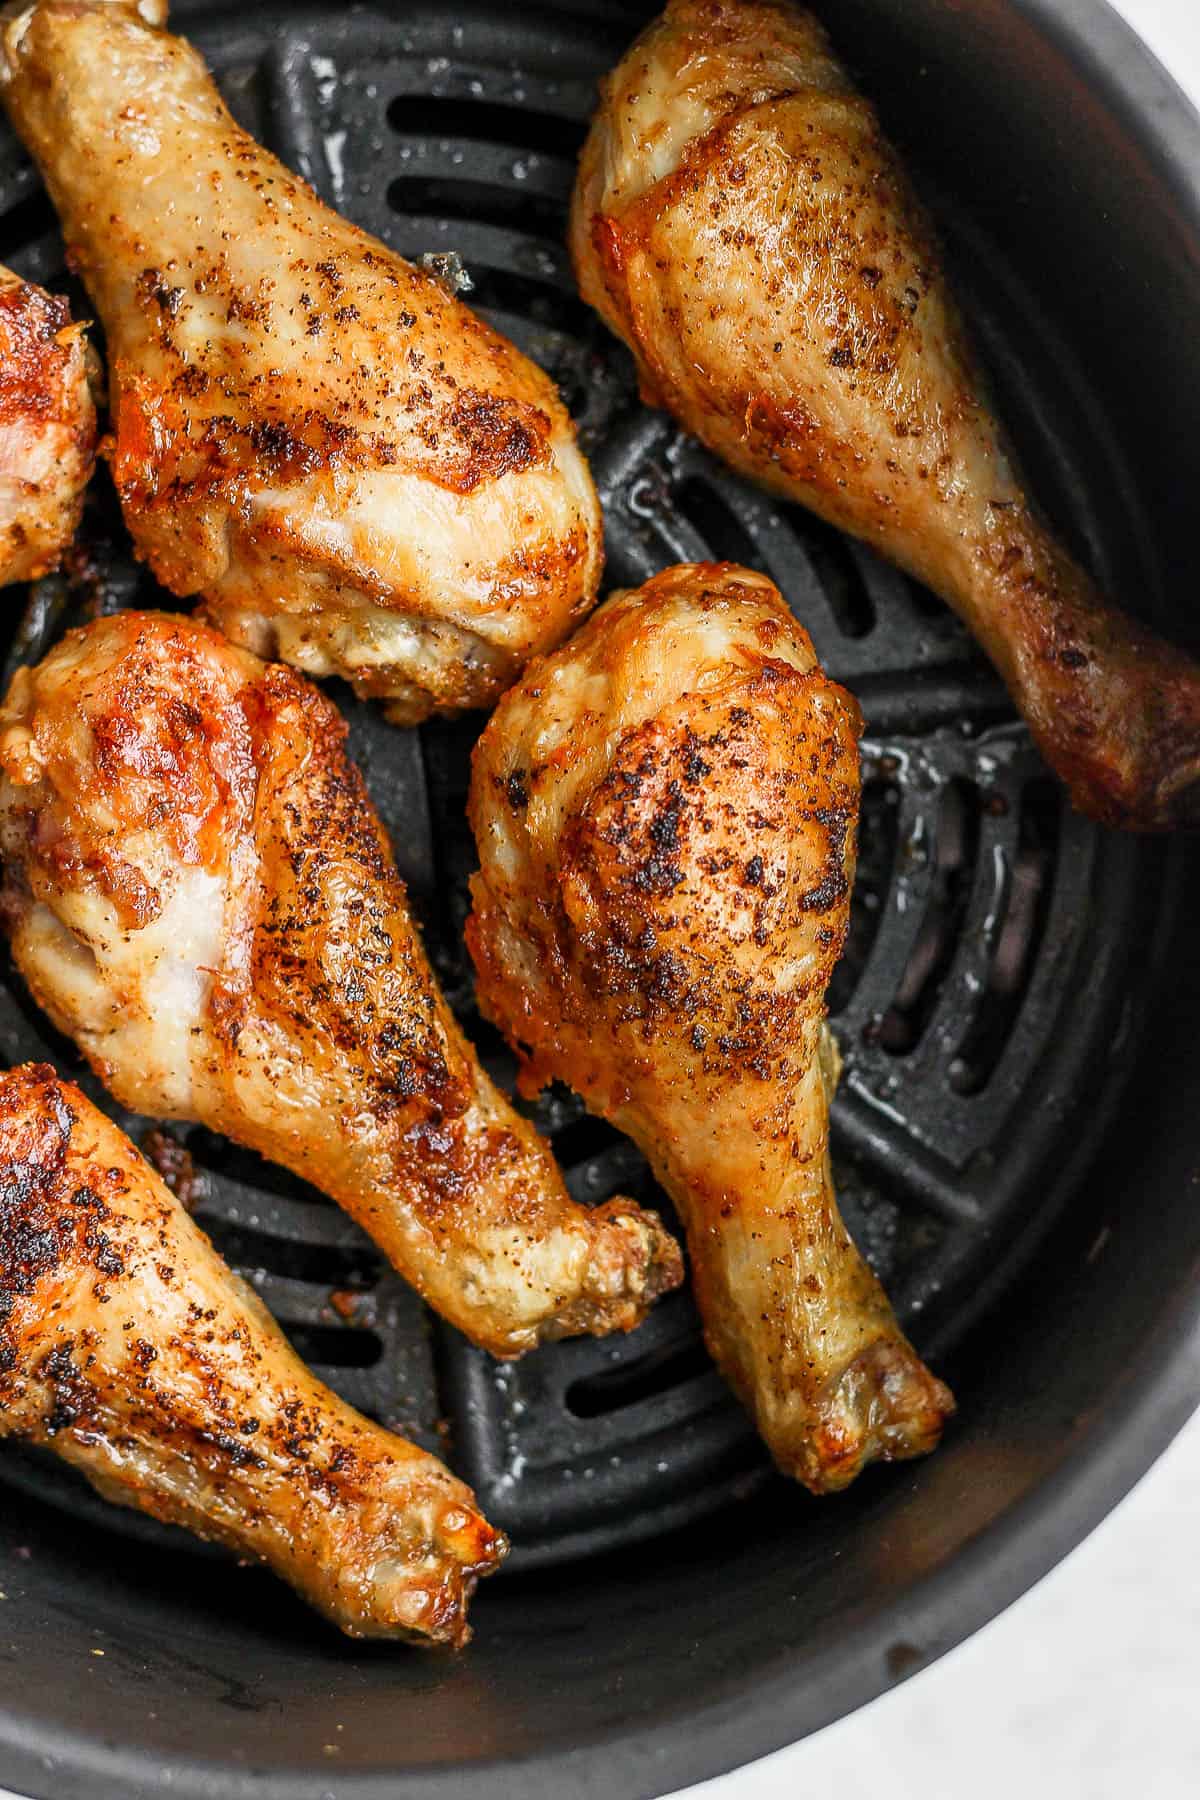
{"x": 665, "y": 811}
{"x": 357, "y": 473}
{"x": 47, "y": 428}
{"x": 199, "y": 891}
{"x": 129, "y": 1348}
{"x": 742, "y": 223}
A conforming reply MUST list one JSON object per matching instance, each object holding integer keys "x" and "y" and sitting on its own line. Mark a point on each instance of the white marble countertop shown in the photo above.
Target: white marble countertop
{"x": 1087, "y": 1687}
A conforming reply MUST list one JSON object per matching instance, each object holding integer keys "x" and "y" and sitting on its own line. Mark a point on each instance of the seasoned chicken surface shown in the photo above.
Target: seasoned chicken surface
{"x": 358, "y": 474}
{"x": 665, "y": 811}
{"x": 199, "y": 891}
{"x": 129, "y": 1348}
{"x": 47, "y": 428}
{"x": 742, "y": 223}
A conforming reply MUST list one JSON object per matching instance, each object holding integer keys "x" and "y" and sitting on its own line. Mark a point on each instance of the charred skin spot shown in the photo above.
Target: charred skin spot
{"x": 658, "y": 873}
{"x": 694, "y": 768}
{"x": 498, "y": 437}
{"x": 51, "y": 1226}
{"x": 153, "y": 290}
{"x": 70, "y": 1393}
{"x": 834, "y": 885}
{"x": 514, "y": 787}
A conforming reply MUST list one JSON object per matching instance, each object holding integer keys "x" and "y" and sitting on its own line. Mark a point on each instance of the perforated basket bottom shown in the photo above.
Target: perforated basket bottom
{"x": 981, "y": 994}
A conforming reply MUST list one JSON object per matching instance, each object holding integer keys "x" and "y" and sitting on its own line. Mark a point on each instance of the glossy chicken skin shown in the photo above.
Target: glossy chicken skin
{"x": 129, "y": 1348}
{"x": 665, "y": 811}
{"x": 742, "y": 223}
{"x": 47, "y": 428}
{"x": 358, "y": 474}
{"x": 198, "y": 890}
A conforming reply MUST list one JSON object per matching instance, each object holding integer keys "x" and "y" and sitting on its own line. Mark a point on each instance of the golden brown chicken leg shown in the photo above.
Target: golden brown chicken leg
{"x": 665, "y": 811}
{"x": 47, "y": 428}
{"x": 198, "y": 891}
{"x": 356, "y": 472}
{"x": 742, "y": 223}
{"x": 128, "y": 1347}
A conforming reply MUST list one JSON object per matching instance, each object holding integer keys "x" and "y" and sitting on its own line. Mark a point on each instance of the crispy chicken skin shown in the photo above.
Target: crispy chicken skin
{"x": 47, "y": 428}
{"x": 742, "y": 223}
{"x": 199, "y": 891}
{"x": 358, "y": 474}
{"x": 129, "y": 1348}
{"x": 665, "y": 811}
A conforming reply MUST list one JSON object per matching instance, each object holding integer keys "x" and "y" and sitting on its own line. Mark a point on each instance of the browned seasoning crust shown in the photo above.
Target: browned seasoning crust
{"x": 199, "y": 891}
{"x": 129, "y": 1348}
{"x": 665, "y": 811}
{"x": 356, "y": 472}
{"x": 741, "y": 221}
{"x": 47, "y": 428}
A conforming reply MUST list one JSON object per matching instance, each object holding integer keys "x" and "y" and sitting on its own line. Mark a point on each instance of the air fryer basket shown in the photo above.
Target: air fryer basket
{"x": 1014, "y": 1129}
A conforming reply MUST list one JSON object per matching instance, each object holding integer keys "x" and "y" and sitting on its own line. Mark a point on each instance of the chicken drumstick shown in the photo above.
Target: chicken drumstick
{"x": 665, "y": 811}
{"x": 742, "y": 223}
{"x": 198, "y": 890}
{"x": 128, "y": 1347}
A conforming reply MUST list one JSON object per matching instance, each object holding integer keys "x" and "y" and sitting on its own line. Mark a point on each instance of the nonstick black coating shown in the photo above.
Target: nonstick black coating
{"x": 1062, "y": 1300}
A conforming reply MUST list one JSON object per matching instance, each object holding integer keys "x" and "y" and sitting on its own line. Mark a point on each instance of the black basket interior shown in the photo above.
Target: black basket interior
{"x": 995, "y": 933}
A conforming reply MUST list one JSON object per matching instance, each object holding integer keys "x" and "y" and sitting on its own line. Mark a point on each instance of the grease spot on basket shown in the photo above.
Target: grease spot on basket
{"x": 904, "y": 1659}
